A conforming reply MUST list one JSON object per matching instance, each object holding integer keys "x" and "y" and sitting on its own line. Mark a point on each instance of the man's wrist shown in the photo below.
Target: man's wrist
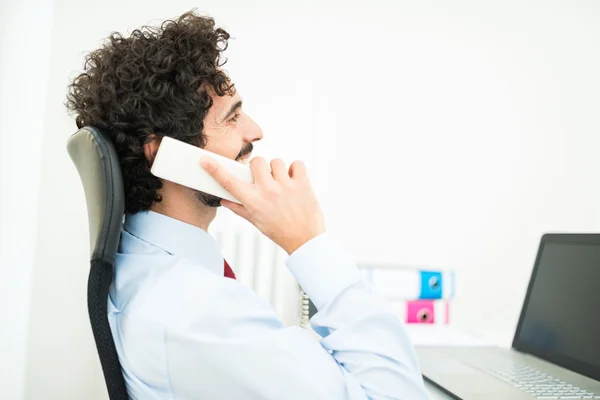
{"x": 291, "y": 246}
{"x": 323, "y": 268}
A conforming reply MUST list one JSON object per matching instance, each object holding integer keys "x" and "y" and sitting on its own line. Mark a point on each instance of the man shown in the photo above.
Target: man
{"x": 184, "y": 329}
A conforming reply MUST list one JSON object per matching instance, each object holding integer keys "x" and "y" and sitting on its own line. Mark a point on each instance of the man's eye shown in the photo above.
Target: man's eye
{"x": 234, "y": 118}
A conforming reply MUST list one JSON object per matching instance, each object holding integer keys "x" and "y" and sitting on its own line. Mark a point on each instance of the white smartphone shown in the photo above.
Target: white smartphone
{"x": 179, "y": 162}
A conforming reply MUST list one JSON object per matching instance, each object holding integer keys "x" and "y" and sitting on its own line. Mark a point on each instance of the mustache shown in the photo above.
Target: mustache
{"x": 247, "y": 149}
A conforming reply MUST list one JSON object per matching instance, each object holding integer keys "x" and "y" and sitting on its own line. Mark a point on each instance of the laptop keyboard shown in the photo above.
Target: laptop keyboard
{"x": 536, "y": 383}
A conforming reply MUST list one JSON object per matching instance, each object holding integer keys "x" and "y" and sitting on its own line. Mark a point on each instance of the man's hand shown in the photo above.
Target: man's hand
{"x": 281, "y": 203}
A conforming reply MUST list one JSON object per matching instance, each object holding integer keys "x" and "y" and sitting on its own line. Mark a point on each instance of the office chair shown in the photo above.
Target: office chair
{"x": 96, "y": 160}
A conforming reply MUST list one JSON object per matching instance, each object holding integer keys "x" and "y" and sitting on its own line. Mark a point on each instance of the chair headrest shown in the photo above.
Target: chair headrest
{"x": 96, "y": 160}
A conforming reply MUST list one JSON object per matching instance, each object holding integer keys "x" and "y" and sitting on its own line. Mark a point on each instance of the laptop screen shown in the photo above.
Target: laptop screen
{"x": 560, "y": 320}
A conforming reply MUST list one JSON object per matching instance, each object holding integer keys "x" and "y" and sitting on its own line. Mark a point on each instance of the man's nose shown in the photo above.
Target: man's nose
{"x": 253, "y": 132}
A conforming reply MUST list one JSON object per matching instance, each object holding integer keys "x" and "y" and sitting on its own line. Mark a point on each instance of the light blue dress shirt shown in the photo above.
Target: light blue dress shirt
{"x": 184, "y": 331}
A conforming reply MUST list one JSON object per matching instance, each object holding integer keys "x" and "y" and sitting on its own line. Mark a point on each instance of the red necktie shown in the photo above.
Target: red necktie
{"x": 228, "y": 271}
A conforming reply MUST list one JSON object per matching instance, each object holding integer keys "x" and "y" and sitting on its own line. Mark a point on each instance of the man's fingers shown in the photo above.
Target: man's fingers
{"x": 229, "y": 182}
{"x": 260, "y": 170}
{"x": 279, "y": 171}
{"x": 236, "y": 208}
{"x": 297, "y": 170}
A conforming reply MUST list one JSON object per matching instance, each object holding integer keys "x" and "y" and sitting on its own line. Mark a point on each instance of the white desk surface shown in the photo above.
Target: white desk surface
{"x": 436, "y": 393}
{"x": 423, "y": 335}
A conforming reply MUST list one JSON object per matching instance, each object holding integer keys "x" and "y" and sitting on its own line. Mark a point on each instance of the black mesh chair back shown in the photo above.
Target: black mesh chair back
{"x": 94, "y": 156}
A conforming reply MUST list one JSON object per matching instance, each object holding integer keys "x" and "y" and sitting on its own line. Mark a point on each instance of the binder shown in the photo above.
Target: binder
{"x": 425, "y": 312}
{"x": 413, "y": 312}
{"x": 402, "y": 283}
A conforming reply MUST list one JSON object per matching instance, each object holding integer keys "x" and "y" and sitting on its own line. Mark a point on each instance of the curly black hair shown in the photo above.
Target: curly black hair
{"x": 150, "y": 84}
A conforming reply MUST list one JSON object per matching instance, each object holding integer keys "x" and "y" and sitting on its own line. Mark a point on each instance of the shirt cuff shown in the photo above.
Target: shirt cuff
{"x": 323, "y": 268}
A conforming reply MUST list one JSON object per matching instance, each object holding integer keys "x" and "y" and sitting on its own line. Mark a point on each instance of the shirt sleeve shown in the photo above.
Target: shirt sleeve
{"x": 235, "y": 347}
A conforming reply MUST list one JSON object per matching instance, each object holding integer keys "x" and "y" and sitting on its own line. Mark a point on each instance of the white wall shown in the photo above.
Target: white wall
{"x": 471, "y": 129}
{"x": 24, "y": 52}
{"x": 439, "y": 134}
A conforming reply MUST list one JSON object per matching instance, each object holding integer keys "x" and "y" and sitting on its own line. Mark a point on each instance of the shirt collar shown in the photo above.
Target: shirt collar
{"x": 176, "y": 237}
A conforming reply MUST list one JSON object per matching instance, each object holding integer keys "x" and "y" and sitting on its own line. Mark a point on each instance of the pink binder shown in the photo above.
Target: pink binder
{"x": 427, "y": 312}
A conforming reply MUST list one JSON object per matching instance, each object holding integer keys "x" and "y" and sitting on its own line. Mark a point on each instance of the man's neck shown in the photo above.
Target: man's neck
{"x": 183, "y": 206}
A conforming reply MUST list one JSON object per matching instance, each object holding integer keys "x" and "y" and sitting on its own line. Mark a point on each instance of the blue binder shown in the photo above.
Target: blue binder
{"x": 398, "y": 282}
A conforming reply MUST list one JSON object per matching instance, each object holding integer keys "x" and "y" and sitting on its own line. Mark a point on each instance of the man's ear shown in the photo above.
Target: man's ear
{"x": 151, "y": 147}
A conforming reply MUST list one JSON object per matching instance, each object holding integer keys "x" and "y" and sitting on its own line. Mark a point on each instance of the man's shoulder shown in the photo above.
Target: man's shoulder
{"x": 157, "y": 286}
{"x": 219, "y": 305}
{"x": 179, "y": 293}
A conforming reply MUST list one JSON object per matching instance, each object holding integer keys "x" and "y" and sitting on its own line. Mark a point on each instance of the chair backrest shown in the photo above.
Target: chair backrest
{"x": 96, "y": 160}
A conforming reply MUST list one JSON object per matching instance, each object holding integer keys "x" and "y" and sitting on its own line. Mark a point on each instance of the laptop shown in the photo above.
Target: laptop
{"x": 555, "y": 352}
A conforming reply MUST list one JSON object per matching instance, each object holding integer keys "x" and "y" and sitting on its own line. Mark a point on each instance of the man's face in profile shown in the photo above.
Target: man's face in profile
{"x": 229, "y": 132}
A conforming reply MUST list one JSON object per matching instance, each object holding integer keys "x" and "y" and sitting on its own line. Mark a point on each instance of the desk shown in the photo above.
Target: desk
{"x": 424, "y": 335}
{"x": 436, "y": 393}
